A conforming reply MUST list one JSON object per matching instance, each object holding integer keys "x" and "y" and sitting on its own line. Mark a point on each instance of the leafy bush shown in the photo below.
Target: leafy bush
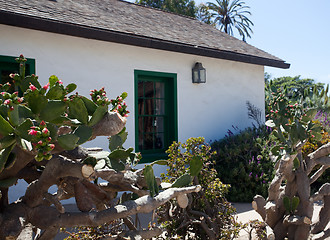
{"x": 243, "y": 160}
{"x": 208, "y": 213}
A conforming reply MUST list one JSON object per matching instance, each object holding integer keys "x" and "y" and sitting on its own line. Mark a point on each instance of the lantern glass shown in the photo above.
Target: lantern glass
{"x": 198, "y": 73}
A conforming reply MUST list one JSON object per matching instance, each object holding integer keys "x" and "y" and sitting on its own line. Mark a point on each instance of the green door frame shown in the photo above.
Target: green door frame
{"x": 171, "y": 125}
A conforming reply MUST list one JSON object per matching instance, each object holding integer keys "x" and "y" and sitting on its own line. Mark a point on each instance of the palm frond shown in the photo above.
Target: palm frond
{"x": 228, "y": 15}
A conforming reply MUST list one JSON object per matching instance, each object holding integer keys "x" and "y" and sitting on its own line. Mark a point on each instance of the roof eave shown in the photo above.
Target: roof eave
{"x": 48, "y": 25}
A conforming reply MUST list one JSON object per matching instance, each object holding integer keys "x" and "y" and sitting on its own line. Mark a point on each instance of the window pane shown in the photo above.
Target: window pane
{"x": 159, "y": 124}
{"x": 159, "y": 143}
{"x": 140, "y": 125}
{"x": 140, "y": 140}
{"x": 140, "y": 89}
{"x": 148, "y": 124}
{"x": 160, "y": 107}
{"x": 148, "y": 142}
{"x": 159, "y": 89}
{"x": 149, "y": 106}
{"x": 141, "y": 106}
{"x": 149, "y": 89}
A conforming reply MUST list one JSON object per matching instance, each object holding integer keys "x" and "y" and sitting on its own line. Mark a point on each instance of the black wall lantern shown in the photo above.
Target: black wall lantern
{"x": 198, "y": 73}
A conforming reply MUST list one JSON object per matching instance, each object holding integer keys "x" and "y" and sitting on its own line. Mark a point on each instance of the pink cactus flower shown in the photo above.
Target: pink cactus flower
{"x": 32, "y": 87}
{"x": 46, "y": 86}
{"x": 45, "y": 131}
{"x": 52, "y": 146}
{"x": 7, "y": 102}
{"x": 60, "y": 82}
{"x": 42, "y": 123}
{"x": 33, "y": 132}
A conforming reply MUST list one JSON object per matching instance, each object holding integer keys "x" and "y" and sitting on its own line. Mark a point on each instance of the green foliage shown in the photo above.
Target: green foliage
{"x": 243, "y": 160}
{"x": 182, "y": 7}
{"x": 118, "y": 140}
{"x": 84, "y": 133}
{"x": 148, "y": 173}
{"x": 196, "y": 165}
{"x": 192, "y": 161}
{"x": 68, "y": 141}
{"x": 183, "y": 181}
{"x": 5, "y": 156}
{"x": 5, "y": 127}
{"x": 295, "y": 86}
{"x": 292, "y": 121}
{"x": 203, "y": 14}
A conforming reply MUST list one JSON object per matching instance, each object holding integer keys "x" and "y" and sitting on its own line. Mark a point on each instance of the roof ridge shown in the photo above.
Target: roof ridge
{"x": 159, "y": 9}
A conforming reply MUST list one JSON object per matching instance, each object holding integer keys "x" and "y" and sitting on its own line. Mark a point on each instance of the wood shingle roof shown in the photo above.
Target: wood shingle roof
{"x": 128, "y": 23}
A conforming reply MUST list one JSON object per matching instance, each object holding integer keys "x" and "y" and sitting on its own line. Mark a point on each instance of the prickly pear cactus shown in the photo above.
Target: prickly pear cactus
{"x": 32, "y": 119}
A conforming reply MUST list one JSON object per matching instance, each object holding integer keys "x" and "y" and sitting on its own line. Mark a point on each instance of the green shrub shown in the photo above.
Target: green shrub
{"x": 243, "y": 161}
{"x": 207, "y": 208}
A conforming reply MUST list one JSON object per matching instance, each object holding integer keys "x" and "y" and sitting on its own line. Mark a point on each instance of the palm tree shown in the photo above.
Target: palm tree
{"x": 228, "y": 15}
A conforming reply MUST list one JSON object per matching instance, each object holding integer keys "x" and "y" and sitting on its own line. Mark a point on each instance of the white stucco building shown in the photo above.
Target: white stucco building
{"x": 145, "y": 52}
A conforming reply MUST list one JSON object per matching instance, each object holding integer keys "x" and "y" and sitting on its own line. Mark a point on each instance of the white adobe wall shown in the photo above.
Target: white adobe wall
{"x": 207, "y": 110}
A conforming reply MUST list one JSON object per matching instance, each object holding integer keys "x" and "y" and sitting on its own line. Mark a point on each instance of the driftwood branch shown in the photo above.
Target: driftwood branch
{"x": 57, "y": 168}
{"x": 321, "y": 193}
{"x": 318, "y": 173}
{"x": 142, "y": 234}
{"x": 111, "y": 124}
{"x": 322, "y": 235}
{"x": 258, "y": 205}
{"x": 320, "y": 152}
{"x": 43, "y": 217}
{"x": 297, "y": 220}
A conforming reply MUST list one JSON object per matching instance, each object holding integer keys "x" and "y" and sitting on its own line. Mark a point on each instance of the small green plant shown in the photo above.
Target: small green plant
{"x": 291, "y": 204}
{"x": 208, "y": 214}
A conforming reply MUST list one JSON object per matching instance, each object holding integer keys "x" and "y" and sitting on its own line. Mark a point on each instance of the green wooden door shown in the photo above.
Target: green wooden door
{"x": 156, "y": 120}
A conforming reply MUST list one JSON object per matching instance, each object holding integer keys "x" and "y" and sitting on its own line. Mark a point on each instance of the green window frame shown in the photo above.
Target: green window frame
{"x": 156, "y": 121}
{"x": 8, "y": 65}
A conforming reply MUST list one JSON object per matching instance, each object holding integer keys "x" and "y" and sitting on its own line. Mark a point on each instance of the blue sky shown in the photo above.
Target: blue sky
{"x": 297, "y": 31}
